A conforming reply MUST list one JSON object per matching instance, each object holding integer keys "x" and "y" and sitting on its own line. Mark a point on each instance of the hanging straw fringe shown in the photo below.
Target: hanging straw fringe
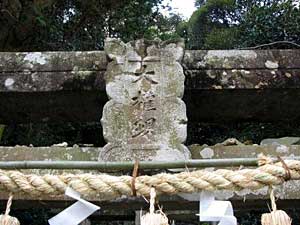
{"x": 154, "y": 218}
{"x": 276, "y": 217}
{"x": 6, "y": 219}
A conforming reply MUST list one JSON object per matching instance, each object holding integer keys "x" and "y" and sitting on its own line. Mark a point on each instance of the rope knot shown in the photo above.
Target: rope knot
{"x": 265, "y": 160}
{"x": 134, "y": 176}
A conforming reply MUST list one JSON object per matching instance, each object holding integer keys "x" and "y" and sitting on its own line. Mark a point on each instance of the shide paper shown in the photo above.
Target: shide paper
{"x": 76, "y": 213}
{"x": 214, "y": 211}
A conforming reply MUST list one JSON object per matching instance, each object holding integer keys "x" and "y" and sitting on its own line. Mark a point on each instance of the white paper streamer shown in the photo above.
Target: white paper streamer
{"x": 211, "y": 210}
{"x": 76, "y": 213}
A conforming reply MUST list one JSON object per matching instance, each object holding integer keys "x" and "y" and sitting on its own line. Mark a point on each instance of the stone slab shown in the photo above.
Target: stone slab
{"x": 21, "y": 153}
{"x": 240, "y": 79}
{"x": 193, "y": 59}
{"x": 145, "y": 118}
{"x": 242, "y": 59}
{"x": 70, "y": 86}
{"x": 52, "y": 61}
{"x": 51, "y": 82}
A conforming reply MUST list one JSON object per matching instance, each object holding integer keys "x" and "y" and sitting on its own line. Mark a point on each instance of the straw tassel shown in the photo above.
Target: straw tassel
{"x": 6, "y": 219}
{"x": 276, "y": 217}
{"x": 154, "y": 218}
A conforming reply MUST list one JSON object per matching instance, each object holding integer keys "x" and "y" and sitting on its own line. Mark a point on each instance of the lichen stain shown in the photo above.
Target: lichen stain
{"x": 289, "y": 190}
{"x": 246, "y": 54}
{"x": 36, "y": 57}
{"x": 261, "y": 191}
{"x": 245, "y": 72}
{"x": 9, "y": 83}
{"x": 228, "y": 58}
{"x": 261, "y": 84}
{"x": 207, "y": 153}
{"x": 282, "y": 149}
{"x": 217, "y": 87}
{"x": 288, "y": 75}
{"x": 271, "y": 65}
{"x": 210, "y": 73}
{"x": 34, "y": 77}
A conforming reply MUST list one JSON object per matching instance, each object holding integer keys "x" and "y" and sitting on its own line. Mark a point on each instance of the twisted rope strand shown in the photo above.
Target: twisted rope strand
{"x": 106, "y": 187}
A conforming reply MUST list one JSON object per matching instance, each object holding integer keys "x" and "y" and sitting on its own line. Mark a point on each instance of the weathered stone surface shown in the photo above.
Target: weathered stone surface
{"x": 145, "y": 117}
{"x": 193, "y": 59}
{"x": 219, "y": 151}
{"x": 51, "y": 81}
{"x": 208, "y": 69}
{"x": 52, "y": 61}
{"x": 242, "y": 79}
{"x": 242, "y": 59}
{"x": 21, "y": 153}
{"x": 70, "y": 86}
{"x": 281, "y": 141}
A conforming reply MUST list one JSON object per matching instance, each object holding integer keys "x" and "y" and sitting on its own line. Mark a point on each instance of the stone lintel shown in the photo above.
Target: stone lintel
{"x": 52, "y": 61}
{"x": 193, "y": 60}
{"x": 242, "y": 59}
{"x": 216, "y": 69}
{"x": 70, "y": 86}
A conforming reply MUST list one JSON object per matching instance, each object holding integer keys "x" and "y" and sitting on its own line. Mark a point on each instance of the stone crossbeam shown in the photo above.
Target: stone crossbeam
{"x": 70, "y": 86}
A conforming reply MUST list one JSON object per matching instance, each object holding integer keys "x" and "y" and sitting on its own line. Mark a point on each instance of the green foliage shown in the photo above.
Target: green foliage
{"x": 211, "y": 16}
{"x": 251, "y": 22}
{"x": 222, "y": 38}
{"x": 199, "y": 3}
{"x": 270, "y": 23}
{"x": 165, "y": 28}
{"x": 27, "y": 25}
{"x": 2, "y": 127}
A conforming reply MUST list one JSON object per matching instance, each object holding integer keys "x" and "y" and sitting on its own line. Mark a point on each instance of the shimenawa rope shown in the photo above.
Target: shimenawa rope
{"x": 106, "y": 187}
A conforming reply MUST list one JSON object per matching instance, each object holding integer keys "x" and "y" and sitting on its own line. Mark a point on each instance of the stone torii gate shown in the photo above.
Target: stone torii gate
{"x": 144, "y": 81}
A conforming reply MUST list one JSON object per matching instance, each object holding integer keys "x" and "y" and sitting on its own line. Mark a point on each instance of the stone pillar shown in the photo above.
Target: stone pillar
{"x": 145, "y": 117}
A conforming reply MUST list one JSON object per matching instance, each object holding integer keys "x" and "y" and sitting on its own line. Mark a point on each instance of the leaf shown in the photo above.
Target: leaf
{"x": 2, "y": 127}
{"x": 41, "y": 21}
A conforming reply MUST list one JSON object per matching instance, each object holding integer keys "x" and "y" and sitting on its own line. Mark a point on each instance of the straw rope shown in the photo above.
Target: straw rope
{"x": 105, "y": 187}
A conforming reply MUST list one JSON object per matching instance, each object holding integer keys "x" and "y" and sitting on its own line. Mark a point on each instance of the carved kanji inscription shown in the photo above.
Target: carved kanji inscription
{"x": 145, "y": 117}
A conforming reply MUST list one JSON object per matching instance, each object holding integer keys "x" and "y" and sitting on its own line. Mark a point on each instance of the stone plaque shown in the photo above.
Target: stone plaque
{"x": 145, "y": 117}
